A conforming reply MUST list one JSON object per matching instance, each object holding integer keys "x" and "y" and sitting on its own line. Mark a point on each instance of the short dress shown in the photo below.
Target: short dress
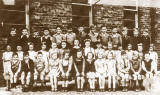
{"x": 79, "y": 64}
{"x": 136, "y": 65}
{"x": 101, "y": 68}
{"x": 90, "y": 69}
{"x": 111, "y": 67}
{"x": 54, "y": 67}
{"x": 147, "y": 66}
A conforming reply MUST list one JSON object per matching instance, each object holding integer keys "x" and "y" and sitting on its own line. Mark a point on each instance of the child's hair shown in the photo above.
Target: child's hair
{"x": 123, "y": 52}
{"x": 66, "y": 51}
{"x": 39, "y": 53}
{"x": 7, "y": 46}
{"x": 26, "y": 53}
{"x": 88, "y": 54}
{"x": 63, "y": 41}
{"x": 14, "y": 53}
{"x": 46, "y": 28}
{"x": 59, "y": 26}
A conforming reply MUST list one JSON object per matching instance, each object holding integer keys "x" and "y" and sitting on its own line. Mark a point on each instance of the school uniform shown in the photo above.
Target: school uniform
{"x": 37, "y": 42}
{"x": 90, "y": 69}
{"x": 125, "y": 42}
{"x": 47, "y": 41}
{"x": 100, "y": 66}
{"x": 104, "y": 39}
{"x": 13, "y": 41}
{"x": 24, "y": 40}
{"x": 79, "y": 64}
{"x": 135, "y": 66}
{"x": 54, "y": 67}
{"x": 81, "y": 36}
{"x": 86, "y": 50}
{"x": 146, "y": 43}
{"x": 134, "y": 41}
{"x": 70, "y": 37}
{"x": 116, "y": 40}
{"x": 148, "y": 65}
{"x": 94, "y": 38}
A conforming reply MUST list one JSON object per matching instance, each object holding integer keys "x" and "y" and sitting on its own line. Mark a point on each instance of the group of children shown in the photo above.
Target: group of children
{"x": 94, "y": 57}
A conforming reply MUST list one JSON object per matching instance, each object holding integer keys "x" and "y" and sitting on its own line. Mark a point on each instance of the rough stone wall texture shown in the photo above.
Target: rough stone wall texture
{"x": 49, "y": 13}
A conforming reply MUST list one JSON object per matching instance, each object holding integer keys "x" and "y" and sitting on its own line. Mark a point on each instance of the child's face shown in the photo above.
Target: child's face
{"x": 135, "y": 33}
{"x": 140, "y": 48}
{"x": 87, "y": 44}
{"x": 110, "y": 47}
{"x": 58, "y": 30}
{"x": 8, "y": 48}
{"x": 104, "y": 29}
{"x": 100, "y": 55}
{"x": 15, "y": 57}
{"x": 135, "y": 57}
{"x": 54, "y": 45}
{"x": 43, "y": 47}
{"x": 64, "y": 45}
{"x": 124, "y": 56}
{"x": 76, "y": 42}
{"x": 13, "y": 33}
{"x": 79, "y": 54}
{"x": 129, "y": 47}
{"x": 19, "y": 48}
{"x": 54, "y": 56}
{"x": 81, "y": 29}
{"x": 31, "y": 47}
{"x": 110, "y": 56}
{"x": 46, "y": 32}
{"x": 70, "y": 30}
{"x": 66, "y": 56}
{"x": 150, "y": 48}
{"x": 26, "y": 57}
{"x": 124, "y": 32}
{"x": 90, "y": 55}
{"x": 35, "y": 34}
{"x": 145, "y": 33}
{"x": 119, "y": 48}
{"x": 39, "y": 56}
{"x": 115, "y": 30}
{"x": 93, "y": 29}
{"x": 24, "y": 32}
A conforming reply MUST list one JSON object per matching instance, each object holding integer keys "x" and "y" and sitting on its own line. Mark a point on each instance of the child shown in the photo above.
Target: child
{"x": 123, "y": 71}
{"x": 15, "y": 69}
{"x": 129, "y": 52}
{"x": 81, "y": 35}
{"x": 40, "y": 69}
{"x": 94, "y": 35}
{"x": 109, "y": 51}
{"x": 70, "y": 37}
{"x": 27, "y": 70}
{"x": 24, "y": 39}
{"x": 90, "y": 70}
{"x": 58, "y": 37}
{"x": 140, "y": 51}
{"x": 136, "y": 69}
{"x": 145, "y": 41}
{"x": 20, "y": 52}
{"x": 101, "y": 70}
{"x": 116, "y": 39}
{"x": 154, "y": 56}
{"x": 46, "y": 38}
{"x": 32, "y": 53}
{"x": 36, "y": 40}
{"x": 125, "y": 38}
{"x": 64, "y": 47}
{"x": 6, "y": 57}
{"x": 79, "y": 64}
{"x": 104, "y": 36}
{"x": 135, "y": 39}
{"x": 75, "y": 48}
{"x": 13, "y": 39}
{"x": 54, "y": 70}
{"x": 65, "y": 68}
{"x": 53, "y": 49}
{"x": 111, "y": 71}
{"x": 88, "y": 47}
{"x": 98, "y": 49}
{"x": 148, "y": 68}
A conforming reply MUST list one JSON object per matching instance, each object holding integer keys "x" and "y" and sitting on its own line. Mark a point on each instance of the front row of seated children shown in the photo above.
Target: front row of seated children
{"x": 91, "y": 69}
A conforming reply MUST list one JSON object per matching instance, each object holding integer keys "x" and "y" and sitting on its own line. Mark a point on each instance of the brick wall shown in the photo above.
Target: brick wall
{"x": 49, "y": 13}
{"x": 111, "y": 16}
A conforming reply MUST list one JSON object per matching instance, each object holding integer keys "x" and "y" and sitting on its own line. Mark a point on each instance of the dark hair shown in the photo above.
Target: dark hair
{"x": 39, "y": 53}
{"x": 88, "y": 54}
{"x": 14, "y": 53}
{"x": 26, "y": 53}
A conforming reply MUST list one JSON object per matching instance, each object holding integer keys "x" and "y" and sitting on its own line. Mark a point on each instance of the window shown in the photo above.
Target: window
{"x": 80, "y": 12}
{"x": 12, "y": 16}
{"x": 130, "y": 18}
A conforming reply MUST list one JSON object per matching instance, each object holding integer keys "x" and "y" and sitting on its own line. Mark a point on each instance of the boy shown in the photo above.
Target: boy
{"x": 125, "y": 38}
{"x": 46, "y": 38}
{"x": 116, "y": 39}
{"x": 27, "y": 70}
{"x": 13, "y": 39}
{"x": 111, "y": 71}
{"x": 79, "y": 64}
{"x": 123, "y": 71}
{"x": 40, "y": 68}
{"x": 6, "y": 57}
{"x": 53, "y": 49}
{"x": 140, "y": 51}
{"x": 145, "y": 41}
{"x": 24, "y": 39}
{"x": 70, "y": 37}
{"x": 110, "y": 50}
{"x": 135, "y": 39}
{"x": 101, "y": 70}
{"x": 136, "y": 69}
{"x": 20, "y": 52}
{"x": 129, "y": 52}
{"x": 88, "y": 48}
{"x": 32, "y": 53}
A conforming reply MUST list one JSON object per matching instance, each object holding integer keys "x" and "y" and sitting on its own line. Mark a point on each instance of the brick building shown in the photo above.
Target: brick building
{"x": 37, "y": 14}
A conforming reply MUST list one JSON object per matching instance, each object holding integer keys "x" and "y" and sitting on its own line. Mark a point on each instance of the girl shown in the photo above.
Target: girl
{"x": 148, "y": 68}
{"x": 88, "y": 47}
{"x": 27, "y": 70}
{"x": 136, "y": 71}
{"x": 40, "y": 69}
{"x": 20, "y": 52}
{"x": 54, "y": 70}
{"x": 75, "y": 48}
{"x": 90, "y": 70}
{"x": 101, "y": 70}
{"x": 46, "y": 38}
{"x": 53, "y": 49}
{"x": 98, "y": 49}
{"x": 140, "y": 51}
{"x": 123, "y": 71}
{"x": 64, "y": 48}
{"x": 65, "y": 68}
{"x": 110, "y": 50}
{"x": 32, "y": 53}
{"x": 129, "y": 52}
{"x": 79, "y": 64}
{"x": 6, "y": 57}
{"x": 15, "y": 69}
{"x": 111, "y": 71}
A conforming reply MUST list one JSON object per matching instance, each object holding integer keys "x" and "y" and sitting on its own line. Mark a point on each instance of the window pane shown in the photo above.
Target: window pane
{"x": 130, "y": 7}
{"x": 129, "y": 14}
{"x": 80, "y": 10}
{"x": 129, "y": 24}
{"x": 77, "y": 21}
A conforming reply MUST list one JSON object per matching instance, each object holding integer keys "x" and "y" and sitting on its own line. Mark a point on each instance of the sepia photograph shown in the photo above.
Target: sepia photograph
{"x": 79, "y": 47}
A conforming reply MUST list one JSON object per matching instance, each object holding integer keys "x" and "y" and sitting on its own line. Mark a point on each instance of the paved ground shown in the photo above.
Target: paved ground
{"x": 18, "y": 92}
